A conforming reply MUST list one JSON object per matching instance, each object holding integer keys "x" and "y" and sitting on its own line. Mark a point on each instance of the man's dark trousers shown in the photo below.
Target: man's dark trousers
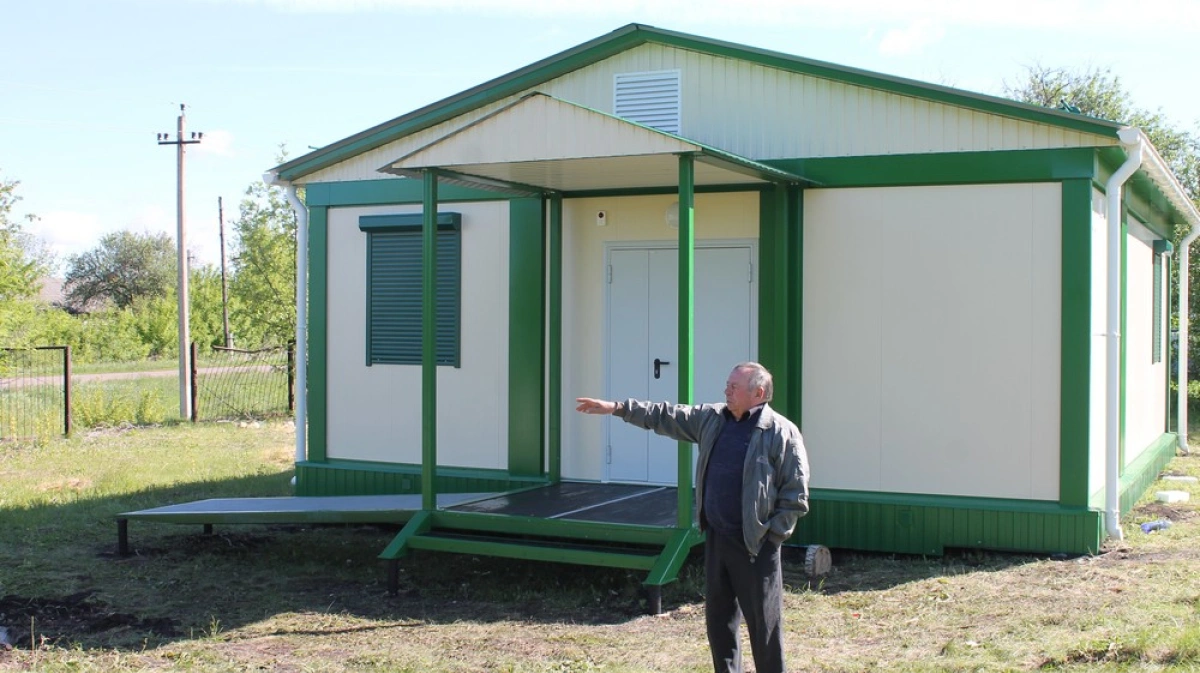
{"x": 738, "y": 586}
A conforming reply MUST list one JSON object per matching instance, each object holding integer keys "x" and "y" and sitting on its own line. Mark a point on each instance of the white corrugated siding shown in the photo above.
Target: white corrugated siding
{"x": 764, "y": 113}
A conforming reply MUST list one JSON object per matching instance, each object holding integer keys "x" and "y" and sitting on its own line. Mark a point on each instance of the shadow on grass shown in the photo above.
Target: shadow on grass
{"x": 69, "y": 586}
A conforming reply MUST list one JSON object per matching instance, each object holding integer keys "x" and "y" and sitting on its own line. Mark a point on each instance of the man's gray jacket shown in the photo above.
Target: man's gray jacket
{"x": 774, "y": 476}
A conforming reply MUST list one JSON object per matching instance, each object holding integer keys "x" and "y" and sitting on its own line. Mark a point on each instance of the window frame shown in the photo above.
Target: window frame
{"x": 409, "y": 226}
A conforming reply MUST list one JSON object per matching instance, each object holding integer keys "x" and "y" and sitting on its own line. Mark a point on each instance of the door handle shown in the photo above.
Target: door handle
{"x": 657, "y": 364}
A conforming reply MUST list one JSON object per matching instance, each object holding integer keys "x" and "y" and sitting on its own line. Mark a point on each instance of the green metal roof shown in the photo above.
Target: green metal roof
{"x": 634, "y": 35}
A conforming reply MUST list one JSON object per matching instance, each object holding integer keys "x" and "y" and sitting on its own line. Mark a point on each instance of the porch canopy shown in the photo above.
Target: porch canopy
{"x": 539, "y": 144}
{"x": 542, "y": 146}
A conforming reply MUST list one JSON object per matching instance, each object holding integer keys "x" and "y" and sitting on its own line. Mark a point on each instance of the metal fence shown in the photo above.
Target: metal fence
{"x": 36, "y": 396}
{"x": 237, "y": 384}
{"x": 35, "y": 393}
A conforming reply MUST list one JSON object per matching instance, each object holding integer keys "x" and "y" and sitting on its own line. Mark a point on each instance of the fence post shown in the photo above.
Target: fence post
{"x": 195, "y": 387}
{"x": 66, "y": 391}
{"x": 291, "y": 351}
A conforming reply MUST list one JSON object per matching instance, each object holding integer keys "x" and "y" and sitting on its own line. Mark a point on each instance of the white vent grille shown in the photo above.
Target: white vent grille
{"x": 650, "y": 98}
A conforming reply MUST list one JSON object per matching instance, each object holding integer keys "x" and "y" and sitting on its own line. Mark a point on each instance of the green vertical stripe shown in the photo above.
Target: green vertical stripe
{"x": 526, "y": 340}
{"x": 429, "y": 343}
{"x": 772, "y": 286}
{"x": 1075, "y": 389}
{"x": 687, "y": 278}
{"x": 795, "y": 315}
{"x": 555, "y": 329}
{"x": 318, "y": 337}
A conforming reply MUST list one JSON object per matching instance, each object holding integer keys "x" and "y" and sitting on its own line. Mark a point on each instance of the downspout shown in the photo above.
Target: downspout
{"x": 1131, "y": 139}
{"x": 1182, "y": 403}
{"x": 301, "y": 212}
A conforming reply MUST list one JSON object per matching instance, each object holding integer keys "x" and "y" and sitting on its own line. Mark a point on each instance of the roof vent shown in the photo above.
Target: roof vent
{"x": 650, "y": 98}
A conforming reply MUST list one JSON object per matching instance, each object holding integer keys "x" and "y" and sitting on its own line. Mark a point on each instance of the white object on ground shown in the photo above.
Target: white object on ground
{"x": 1172, "y": 496}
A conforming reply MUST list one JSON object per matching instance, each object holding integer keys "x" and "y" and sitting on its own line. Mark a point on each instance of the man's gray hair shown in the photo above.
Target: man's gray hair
{"x": 759, "y": 378}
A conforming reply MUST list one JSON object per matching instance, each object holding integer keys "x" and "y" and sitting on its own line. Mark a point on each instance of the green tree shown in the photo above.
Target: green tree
{"x": 23, "y": 264}
{"x": 263, "y": 284}
{"x": 1098, "y": 93}
{"x": 124, "y": 268}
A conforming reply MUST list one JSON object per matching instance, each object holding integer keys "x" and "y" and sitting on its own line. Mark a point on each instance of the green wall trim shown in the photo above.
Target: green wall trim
{"x": 635, "y": 35}
{"x": 944, "y": 168}
{"x": 654, "y": 191}
{"x": 318, "y": 333}
{"x": 554, "y": 313}
{"x": 526, "y": 336}
{"x": 1076, "y": 343}
{"x": 795, "y": 316}
{"x": 1139, "y": 475}
{"x": 772, "y": 287}
{"x": 346, "y": 477}
{"x": 388, "y": 191}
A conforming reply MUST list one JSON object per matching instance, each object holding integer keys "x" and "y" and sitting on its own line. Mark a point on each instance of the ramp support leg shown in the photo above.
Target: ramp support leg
{"x": 123, "y": 537}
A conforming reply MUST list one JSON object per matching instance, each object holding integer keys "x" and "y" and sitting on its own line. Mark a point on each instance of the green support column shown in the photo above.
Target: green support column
{"x": 794, "y": 272}
{"x": 1075, "y": 421}
{"x": 429, "y": 343}
{"x": 318, "y": 334}
{"x": 555, "y": 347}
{"x": 527, "y": 336}
{"x": 687, "y": 298}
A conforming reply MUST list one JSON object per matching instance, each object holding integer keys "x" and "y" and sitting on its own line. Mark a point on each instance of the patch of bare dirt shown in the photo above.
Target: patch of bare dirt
{"x": 34, "y": 622}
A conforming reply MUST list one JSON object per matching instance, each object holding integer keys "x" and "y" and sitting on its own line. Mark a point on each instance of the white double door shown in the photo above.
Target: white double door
{"x": 643, "y": 342}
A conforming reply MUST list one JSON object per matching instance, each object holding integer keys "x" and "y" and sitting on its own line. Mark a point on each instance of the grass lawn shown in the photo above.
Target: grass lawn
{"x": 313, "y": 598}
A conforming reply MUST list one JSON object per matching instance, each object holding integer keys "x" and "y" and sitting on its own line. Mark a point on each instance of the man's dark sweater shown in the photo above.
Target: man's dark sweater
{"x": 723, "y": 490}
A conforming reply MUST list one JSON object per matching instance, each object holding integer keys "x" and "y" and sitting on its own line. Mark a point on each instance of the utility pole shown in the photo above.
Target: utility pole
{"x": 224, "y": 286}
{"x": 185, "y": 392}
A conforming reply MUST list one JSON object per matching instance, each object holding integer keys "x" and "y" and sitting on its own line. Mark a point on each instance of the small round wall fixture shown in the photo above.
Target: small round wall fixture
{"x": 672, "y": 215}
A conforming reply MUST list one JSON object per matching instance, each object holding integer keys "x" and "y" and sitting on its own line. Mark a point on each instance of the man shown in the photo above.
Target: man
{"x": 751, "y": 488}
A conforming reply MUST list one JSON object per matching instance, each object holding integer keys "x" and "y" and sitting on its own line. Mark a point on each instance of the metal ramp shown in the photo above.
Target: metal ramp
{"x": 295, "y": 509}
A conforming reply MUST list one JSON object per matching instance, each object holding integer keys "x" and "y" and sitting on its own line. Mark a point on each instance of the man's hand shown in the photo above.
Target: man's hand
{"x": 590, "y": 405}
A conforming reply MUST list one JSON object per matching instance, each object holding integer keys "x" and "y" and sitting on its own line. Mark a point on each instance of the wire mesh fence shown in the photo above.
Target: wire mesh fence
{"x": 35, "y": 392}
{"x": 236, "y": 384}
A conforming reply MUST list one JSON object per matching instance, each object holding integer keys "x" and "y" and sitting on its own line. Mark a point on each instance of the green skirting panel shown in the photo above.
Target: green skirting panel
{"x": 1144, "y": 470}
{"x": 323, "y": 479}
{"x": 923, "y": 525}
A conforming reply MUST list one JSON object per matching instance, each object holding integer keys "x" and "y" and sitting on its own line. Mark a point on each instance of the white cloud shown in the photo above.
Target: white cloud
{"x": 1066, "y": 15}
{"x": 67, "y": 232}
{"x": 218, "y": 143}
{"x": 912, "y": 39}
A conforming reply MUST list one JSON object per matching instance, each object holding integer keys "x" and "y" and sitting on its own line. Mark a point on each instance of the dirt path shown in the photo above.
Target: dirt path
{"x": 22, "y": 382}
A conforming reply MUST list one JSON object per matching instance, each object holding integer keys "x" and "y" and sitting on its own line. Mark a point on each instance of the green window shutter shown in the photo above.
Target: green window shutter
{"x": 394, "y": 288}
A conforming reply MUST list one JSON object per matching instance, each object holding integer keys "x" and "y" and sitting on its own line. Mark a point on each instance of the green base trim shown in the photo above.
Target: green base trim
{"x": 420, "y": 523}
{"x": 920, "y": 524}
{"x": 1139, "y": 475}
{"x": 340, "y": 477}
{"x": 518, "y": 550}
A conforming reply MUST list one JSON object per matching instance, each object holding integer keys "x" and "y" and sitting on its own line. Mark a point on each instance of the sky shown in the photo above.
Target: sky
{"x": 86, "y": 85}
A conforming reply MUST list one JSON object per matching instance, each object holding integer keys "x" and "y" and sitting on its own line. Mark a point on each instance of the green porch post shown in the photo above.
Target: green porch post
{"x": 554, "y": 382}
{"x": 429, "y": 343}
{"x": 687, "y": 298}
{"x": 794, "y": 274}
